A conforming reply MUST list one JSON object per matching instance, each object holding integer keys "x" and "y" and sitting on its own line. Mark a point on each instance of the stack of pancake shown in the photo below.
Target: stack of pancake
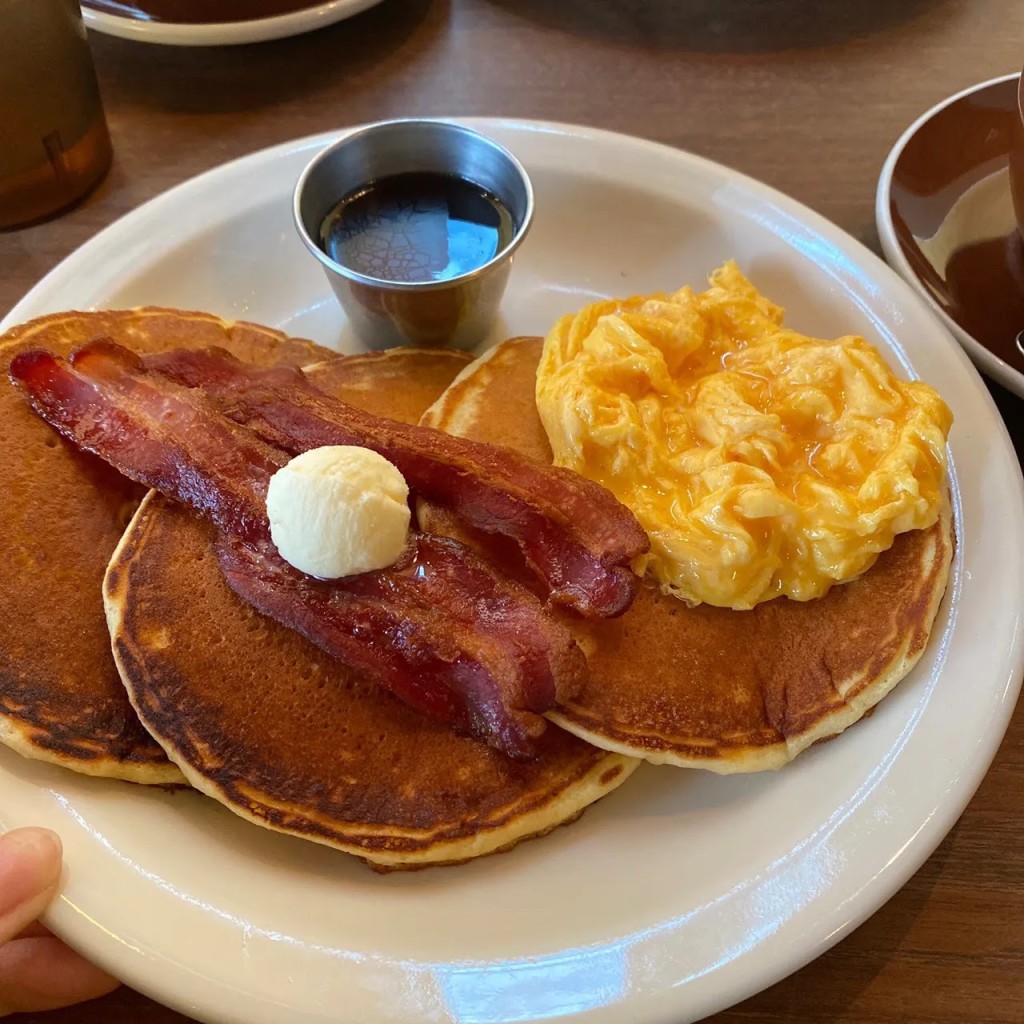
{"x": 203, "y": 690}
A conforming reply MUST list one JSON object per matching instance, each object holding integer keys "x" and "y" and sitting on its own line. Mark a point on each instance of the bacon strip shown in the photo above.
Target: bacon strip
{"x": 440, "y": 629}
{"x": 158, "y": 435}
{"x": 573, "y": 532}
{"x": 471, "y": 651}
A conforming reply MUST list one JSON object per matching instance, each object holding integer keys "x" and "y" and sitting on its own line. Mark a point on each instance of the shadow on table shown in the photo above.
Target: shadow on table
{"x": 122, "y": 1006}
{"x": 225, "y": 79}
{"x": 1012, "y": 410}
{"x": 723, "y": 26}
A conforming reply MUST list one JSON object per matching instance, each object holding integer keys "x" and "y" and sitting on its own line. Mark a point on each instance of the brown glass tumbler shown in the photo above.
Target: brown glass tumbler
{"x": 54, "y": 144}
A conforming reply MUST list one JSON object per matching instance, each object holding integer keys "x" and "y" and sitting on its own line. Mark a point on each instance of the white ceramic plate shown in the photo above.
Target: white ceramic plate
{"x": 680, "y": 893}
{"x": 983, "y": 211}
{"x": 224, "y": 33}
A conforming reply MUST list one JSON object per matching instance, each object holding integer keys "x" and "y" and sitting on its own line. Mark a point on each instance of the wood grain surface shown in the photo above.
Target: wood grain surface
{"x": 807, "y": 95}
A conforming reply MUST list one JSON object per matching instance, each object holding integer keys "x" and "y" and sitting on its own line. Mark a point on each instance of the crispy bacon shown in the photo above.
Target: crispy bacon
{"x": 440, "y": 629}
{"x": 158, "y": 435}
{"x": 454, "y": 653}
{"x": 573, "y": 532}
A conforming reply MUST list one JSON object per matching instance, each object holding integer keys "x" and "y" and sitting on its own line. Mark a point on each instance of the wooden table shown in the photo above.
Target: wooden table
{"x": 807, "y": 96}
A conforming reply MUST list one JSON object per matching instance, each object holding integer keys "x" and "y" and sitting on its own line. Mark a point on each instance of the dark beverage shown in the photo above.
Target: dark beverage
{"x": 985, "y": 281}
{"x": 417, "y": 227}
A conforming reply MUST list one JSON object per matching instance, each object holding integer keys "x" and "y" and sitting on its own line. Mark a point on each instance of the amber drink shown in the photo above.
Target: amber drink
{"x": 54, "y": 144}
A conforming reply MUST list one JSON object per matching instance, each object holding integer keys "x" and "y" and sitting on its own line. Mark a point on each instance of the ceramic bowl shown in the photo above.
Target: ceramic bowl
{"x": 946, "y": 221}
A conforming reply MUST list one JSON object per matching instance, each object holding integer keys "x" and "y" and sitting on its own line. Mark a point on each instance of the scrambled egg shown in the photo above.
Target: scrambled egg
{"x": 760, "y": 462}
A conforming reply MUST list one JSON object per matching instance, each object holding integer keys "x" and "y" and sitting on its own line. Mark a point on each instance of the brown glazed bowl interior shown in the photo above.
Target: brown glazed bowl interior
{"x": 952, "y": 215}
{"x": 1017, "y": 158}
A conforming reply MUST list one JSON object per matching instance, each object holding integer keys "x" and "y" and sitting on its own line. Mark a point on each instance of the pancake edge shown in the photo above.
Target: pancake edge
{"x": 153, "y": 773}
{"x": 436, "y": 408}
{"x": 171, "y": 773}
{"x": 15, "y": 335}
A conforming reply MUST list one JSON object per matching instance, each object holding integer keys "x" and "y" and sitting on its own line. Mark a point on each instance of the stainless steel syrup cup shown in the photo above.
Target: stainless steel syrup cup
{"x": 455, "y": 313}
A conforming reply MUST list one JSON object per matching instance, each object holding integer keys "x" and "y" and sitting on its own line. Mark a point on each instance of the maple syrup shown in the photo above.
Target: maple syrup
{"x": 416, "y": 228}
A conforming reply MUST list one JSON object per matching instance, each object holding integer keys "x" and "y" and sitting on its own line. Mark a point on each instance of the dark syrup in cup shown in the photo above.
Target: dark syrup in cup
{"x": 417, "y": 227}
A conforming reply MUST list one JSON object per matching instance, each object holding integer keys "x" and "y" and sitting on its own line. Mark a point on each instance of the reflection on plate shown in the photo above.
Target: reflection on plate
{"x": 945, "y": 218}
{"x": 199, "y": 12}
{"x": 216, "y": 23}
{"x": 683, "y": 891}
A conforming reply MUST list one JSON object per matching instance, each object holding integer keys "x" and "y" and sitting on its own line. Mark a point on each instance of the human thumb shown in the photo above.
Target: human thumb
{"x": 30, "y": 864}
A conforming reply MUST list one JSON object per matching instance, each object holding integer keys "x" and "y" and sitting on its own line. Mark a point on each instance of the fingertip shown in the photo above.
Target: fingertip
{"x": 39, "y": 845}
{"x": 30, "y": 868}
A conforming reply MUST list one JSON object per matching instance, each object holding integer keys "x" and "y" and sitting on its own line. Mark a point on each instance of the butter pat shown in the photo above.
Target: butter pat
{"x": 338, "y": 511}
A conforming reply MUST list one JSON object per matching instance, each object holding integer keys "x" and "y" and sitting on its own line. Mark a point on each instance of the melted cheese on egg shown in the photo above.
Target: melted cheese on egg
{"x": 761, "y": 462}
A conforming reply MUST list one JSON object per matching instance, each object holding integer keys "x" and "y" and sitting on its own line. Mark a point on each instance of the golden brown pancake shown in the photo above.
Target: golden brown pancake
{"x": 708, "y": 687}
{"x": 63, "y": 514}
{"x": 283, "y": 735}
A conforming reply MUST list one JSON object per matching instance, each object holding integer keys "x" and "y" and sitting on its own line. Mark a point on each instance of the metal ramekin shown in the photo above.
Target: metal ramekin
{"x": 458, "y": 312}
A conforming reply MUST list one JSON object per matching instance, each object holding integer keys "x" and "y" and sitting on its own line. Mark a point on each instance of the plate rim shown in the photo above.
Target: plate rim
{"x": 224, "y": 33}
{"x": 991, "y": 364}
{"x": 660, "y": 1007}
